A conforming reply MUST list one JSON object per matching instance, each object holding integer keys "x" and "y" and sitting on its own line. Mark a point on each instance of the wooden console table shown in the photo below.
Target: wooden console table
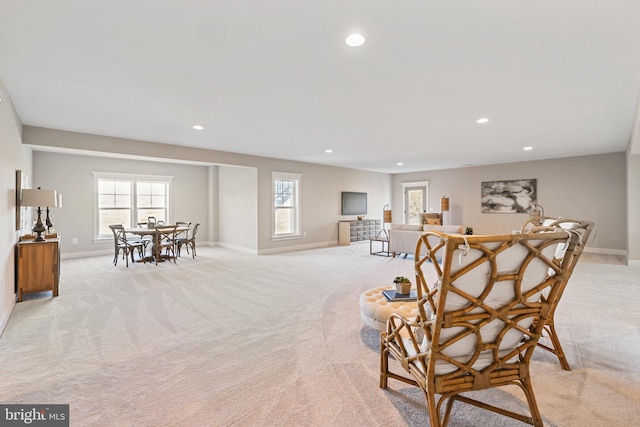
{"x": 38, "y": 267}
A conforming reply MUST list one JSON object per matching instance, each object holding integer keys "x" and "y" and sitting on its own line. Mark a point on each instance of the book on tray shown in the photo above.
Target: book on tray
{"x": 392, "y": 295}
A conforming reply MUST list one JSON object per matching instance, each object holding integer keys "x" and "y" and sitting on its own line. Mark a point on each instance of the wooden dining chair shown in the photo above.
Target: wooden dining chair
{"x": 128, "y": 247}
{"x": 183, "y": 233}
{"x": 189, "y": 241}
{"x": 164, "y": 239}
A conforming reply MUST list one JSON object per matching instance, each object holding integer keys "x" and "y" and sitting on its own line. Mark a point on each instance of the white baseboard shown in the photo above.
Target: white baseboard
{"x": 237, "y": 248}
{"x": 6, "y": 314}
{"x": 298, "y": 247}
{"x": 109, "y": 251}
{"x": 103, "y": 252}
{"x": 86, "y": 254}
{"x": 606, "y": 251}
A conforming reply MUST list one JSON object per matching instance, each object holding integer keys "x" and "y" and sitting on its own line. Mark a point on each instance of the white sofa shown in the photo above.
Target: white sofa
{"x": 403, "y": 237}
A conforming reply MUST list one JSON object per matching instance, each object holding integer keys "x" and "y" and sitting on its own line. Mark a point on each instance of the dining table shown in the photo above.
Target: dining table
{"x": 153, "y": 232}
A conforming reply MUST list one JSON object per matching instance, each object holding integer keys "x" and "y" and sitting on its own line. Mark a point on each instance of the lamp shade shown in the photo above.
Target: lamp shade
{"x": 386, "y": 216}
{"x": 444, "y": 203}
{"x": 39, "y": 198}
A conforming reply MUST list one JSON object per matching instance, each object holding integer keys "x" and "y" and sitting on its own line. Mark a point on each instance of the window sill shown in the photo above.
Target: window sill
{"x": 287, "y": 237}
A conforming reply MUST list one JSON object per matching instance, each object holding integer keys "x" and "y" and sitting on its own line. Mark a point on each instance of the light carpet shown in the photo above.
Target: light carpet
{"x": 231, "y": 339}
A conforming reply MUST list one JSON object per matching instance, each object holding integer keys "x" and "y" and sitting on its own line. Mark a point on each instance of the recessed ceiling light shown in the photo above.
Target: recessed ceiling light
{"x": 528, "y": 148}
{"x": 328, "y": 150}
{"x": 399, "y": 164}
{"x": 198, "y": 127}
{"x": 355, "y": 40}
{"x": 482, "y": 120}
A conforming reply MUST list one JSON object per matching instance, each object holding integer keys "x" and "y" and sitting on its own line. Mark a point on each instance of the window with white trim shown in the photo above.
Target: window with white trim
{"x": 129, "y": 199}
{"x": 286, "y": 205}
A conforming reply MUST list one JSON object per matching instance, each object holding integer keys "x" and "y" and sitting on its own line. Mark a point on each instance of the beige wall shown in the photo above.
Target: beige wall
{"x": 238, "y": 208}
{"x": 586, "y": 187}
{"x": 14, "y": 157}
{"x": 633, "y": 201}
{"x": 72, "y": 175}
{"x": 320, "y": 195}
{"x": 592, "y": 187}
{"x": 320, "y": 192}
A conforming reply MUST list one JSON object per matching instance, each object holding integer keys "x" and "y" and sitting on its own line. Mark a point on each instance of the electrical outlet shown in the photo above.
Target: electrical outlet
{"x": 74, "y": 241}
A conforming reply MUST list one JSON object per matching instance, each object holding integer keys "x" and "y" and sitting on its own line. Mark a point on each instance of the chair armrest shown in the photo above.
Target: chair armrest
{"x": 402, "y": 331}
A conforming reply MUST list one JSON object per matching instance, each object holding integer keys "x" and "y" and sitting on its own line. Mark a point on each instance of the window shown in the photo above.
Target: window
{"x": 416, "y": 195}
{"x": 129, "y": 199}
{"x": 286, "y": 205}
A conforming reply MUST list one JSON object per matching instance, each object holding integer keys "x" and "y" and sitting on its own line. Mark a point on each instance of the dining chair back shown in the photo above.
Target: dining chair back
{"x": 164, "y": 239}
{"x": 189, "y": 241}
{"x": 184, "y": 232}
{"x": 121, "y": 243}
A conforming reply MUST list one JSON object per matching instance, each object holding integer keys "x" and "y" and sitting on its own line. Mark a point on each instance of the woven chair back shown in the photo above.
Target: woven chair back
{"x": 484, "y": 314}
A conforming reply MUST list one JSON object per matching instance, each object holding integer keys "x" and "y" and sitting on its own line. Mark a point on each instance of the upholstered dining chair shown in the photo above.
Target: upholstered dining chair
{"x": 479, "y": 322}
{"x": 189, "y": 241}
{"x": 582, "y": 229}
{"x": 164, "y": 239}
{"x": 121, "y": 243}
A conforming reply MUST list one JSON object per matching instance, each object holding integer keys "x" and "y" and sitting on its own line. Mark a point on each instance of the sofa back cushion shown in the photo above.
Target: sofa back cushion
{"x": 449, "y": 229}
{"x": 407, "y": 227}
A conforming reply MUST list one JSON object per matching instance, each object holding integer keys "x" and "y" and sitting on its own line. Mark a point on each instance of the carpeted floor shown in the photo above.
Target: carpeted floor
{"x": 242, "y": 340}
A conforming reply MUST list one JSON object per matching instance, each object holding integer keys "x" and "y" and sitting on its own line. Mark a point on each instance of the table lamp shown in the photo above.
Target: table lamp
{"x": 386, "y": 219}
{"x": 41, "y": 199}
{"x": 536, "y": 214}
{"x": 444, "y": 207}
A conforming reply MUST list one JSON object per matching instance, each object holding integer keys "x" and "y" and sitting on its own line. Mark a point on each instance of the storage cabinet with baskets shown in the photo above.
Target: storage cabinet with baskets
{"x": 357, "y": 230}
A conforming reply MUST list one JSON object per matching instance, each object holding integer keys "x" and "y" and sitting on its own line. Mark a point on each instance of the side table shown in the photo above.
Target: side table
{"x": 384, "y": 251}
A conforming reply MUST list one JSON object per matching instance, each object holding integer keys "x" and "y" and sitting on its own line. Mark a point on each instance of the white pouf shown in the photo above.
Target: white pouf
{"x": 375, "y": 309}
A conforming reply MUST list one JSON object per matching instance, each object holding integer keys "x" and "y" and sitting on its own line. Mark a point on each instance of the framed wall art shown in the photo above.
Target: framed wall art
{"x": 22, "y": 212}
{"x": 511, "y": 196}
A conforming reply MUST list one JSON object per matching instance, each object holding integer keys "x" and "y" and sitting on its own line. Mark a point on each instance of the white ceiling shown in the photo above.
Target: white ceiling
{"x": 275, "y": 78}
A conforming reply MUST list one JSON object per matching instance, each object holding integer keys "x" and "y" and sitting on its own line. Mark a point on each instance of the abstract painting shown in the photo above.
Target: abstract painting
{"x": 513, "y": 196}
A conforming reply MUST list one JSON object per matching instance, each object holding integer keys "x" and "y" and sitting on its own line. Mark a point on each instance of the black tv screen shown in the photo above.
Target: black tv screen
{"x": 354, "y": 203}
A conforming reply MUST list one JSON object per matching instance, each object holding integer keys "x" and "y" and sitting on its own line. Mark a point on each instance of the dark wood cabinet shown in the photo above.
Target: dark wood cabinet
{"x": 38, "y": 267}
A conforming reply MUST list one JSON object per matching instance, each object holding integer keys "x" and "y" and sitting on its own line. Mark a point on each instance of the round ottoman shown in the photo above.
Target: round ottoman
{"x": 375, "y": 309}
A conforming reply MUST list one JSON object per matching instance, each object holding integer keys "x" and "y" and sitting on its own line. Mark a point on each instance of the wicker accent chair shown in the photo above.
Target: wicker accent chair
{"x": 479, "y": 322}
{"x": 583, "y": 230}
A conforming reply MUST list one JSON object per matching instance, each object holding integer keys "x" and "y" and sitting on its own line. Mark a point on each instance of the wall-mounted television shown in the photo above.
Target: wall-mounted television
{"x": 354, "y": 203}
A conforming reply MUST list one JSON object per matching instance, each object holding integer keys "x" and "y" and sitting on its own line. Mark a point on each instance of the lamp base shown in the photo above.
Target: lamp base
{"x": 39, "y": 227}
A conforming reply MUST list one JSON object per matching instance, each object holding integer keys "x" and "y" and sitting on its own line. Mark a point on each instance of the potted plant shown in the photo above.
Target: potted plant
{"x": 403, "y": 285}
{"x": 469, "y": 231}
